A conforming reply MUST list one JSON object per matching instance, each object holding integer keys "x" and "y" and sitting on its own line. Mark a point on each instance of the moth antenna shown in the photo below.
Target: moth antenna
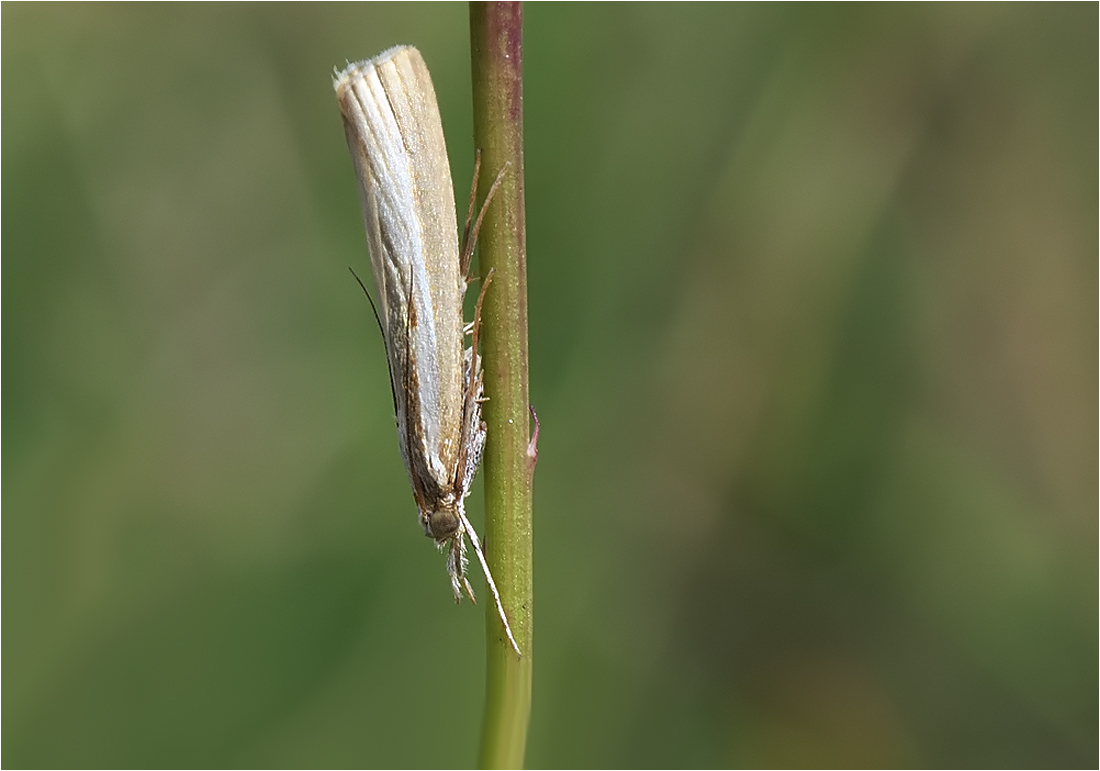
{"x": 489, "y": 580}
{"x": 385, "y": 345}
{"x": 373, "y": 307}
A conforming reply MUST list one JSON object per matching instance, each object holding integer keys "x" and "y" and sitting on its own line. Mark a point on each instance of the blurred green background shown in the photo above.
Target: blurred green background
{"x": 813, "y": 297}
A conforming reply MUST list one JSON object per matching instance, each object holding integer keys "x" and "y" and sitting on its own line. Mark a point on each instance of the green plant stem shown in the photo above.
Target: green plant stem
{"x": 496, "y": 43}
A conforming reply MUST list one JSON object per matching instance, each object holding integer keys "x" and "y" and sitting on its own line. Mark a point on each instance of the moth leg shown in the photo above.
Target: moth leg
{"x": 473, "y": 456}
{"x": 471, "y": 408}
{"x": 475, "y": 325}
{"x": 470, "y": 212}
{"x": 469, "y": 237}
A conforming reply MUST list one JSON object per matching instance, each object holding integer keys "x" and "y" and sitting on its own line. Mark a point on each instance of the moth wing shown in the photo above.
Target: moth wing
{"x": 395, "y": 135}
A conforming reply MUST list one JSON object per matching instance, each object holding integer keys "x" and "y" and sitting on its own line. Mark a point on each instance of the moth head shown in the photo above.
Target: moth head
{"x": 442, "y": 523}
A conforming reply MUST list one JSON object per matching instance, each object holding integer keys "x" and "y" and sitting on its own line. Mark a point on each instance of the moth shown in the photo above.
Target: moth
{"x": 394, "y": 132}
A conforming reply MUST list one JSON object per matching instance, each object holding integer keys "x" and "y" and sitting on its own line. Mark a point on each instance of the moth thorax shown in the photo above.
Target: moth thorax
{"x": 441, "y": 523}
